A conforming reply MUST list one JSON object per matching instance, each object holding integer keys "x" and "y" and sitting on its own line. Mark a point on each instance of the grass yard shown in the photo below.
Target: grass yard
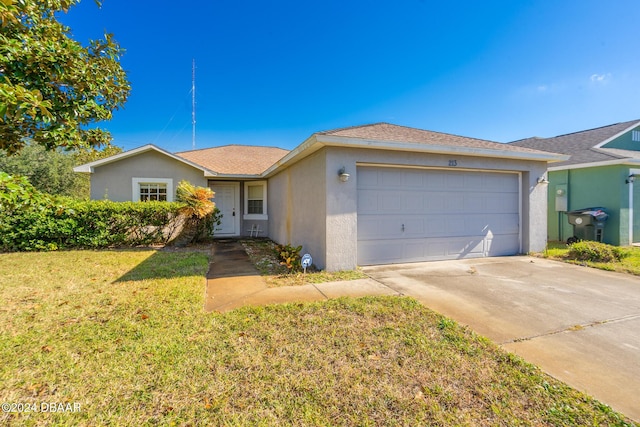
{"x": 262, "y": 253}
{"x": 124, "y": 335}
{"x": 629, "y": 264}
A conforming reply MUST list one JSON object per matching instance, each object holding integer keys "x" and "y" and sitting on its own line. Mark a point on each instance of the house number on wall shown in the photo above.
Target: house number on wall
{"x": 453, "y": 163}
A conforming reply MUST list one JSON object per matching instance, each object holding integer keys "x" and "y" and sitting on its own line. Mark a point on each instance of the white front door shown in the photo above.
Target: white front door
{"x": 227, "y": 200}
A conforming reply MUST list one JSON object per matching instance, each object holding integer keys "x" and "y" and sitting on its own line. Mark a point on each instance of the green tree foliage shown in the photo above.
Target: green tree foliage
{"x": 17, "y": 195}
{"x": 51, "y": 171}
{"x": 52, "y": 88}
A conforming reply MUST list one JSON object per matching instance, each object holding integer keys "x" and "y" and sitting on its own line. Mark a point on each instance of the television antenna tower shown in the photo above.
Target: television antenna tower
{"x": 193, "y": 104}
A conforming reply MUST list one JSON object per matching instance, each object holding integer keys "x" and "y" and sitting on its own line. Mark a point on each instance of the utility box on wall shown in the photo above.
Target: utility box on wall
{"x": 561, "y": 198}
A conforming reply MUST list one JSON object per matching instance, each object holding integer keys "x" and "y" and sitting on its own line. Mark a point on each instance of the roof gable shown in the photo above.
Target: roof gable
{"x": 89, "y": 167}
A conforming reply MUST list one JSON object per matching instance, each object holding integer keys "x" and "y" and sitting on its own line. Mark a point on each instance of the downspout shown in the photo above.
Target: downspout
{"x": 630, "y": 182}
{"x": 633, "y": 173}
{"x": 630, "y": 210}
{"x": 565, "y": 216}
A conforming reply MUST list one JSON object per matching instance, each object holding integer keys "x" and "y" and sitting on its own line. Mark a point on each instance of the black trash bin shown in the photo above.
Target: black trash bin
{"x": 588, "y": 224}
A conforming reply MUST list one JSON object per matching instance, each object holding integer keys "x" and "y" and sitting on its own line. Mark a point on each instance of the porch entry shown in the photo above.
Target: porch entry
{"x": 227, "y": 200}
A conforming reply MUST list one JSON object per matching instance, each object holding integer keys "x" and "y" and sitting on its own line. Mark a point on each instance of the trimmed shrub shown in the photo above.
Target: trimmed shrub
{"x": 34, "y": 221}
{"x": 88, "y": 224}
{"x": 289, "y": 256}
{"x": 596, "y": 252}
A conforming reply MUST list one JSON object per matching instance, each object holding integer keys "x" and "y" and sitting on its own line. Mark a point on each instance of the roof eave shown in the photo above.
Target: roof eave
{"x": 440, "y": 149}
{"x": 239, "y": 176}
{"x": 317, "y": 141}
{"x": 308, "y": 147}
{"x": 628, "y": 161}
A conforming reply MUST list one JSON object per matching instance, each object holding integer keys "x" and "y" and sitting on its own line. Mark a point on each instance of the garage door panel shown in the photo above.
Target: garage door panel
{"x": 367, "y": 201}
{"x": 475, "y": 203}
{"x": 390, "y": 202}
{"x": 413, "y": 203}
{"x": 454, "y": 182}
{"x": 474, "y": 181}
{"x": 435, "y": 203}
{"x": 367, "y": 178}
{"x": 380, "y": 228}
{"x": 499, "y": 203}
{"x": 434, "y": 182}
{"x": 413, "y": 179}
{"x": 497, "y": 183}
{"x": 454, "y": 203}
{"x": 376, "y": 253}
{"x": 373, "y": 227}
{"x": 465, "y": 246}
{"x": 437, "y": 226}
{"x": 414, "y": 226}
{"x": 502, "y": 245}
{"x": 407, "y": 215}
{"x": 414, "y": 250}
{"x": 390, "y": 178}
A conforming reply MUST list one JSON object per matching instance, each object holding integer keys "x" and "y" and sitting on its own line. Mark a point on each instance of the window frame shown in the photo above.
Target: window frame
{"x": 135, "y": 187}
{"x": 264, "y": 215}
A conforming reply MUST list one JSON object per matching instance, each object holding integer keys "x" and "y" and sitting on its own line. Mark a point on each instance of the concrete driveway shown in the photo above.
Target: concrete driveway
{"x": 578, "y": 324}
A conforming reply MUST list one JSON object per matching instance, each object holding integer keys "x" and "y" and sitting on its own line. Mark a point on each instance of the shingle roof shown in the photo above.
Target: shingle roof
{"x": 580, "y": 145}
{"x": 389, "y": 132}
{"x": 235, "y": 159}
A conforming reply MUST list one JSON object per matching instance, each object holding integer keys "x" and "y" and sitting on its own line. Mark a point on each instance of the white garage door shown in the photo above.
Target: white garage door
{"x": 409, "y": 215}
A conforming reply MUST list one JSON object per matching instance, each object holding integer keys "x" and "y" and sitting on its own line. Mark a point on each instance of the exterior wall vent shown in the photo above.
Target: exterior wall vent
{"x": 635, "y": 135}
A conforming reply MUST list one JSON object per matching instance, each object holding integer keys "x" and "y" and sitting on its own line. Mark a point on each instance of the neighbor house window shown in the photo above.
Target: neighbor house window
{"x": 152, "y": 189}
{"x": 255, "y": 198}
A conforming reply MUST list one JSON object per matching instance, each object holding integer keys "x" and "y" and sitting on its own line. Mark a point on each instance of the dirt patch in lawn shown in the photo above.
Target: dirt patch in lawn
{"x": 262, "y": 252}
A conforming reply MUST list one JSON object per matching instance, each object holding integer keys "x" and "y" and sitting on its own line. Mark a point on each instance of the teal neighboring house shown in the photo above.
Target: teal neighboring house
{"x": 603, "y": 171}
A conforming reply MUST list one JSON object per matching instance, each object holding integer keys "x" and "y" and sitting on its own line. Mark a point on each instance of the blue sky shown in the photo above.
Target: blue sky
{"x": 274, "y": 72}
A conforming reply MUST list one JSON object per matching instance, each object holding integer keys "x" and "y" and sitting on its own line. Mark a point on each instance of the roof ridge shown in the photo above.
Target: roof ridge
{"x": 526, "y": 139}
{"x": 405, "y": 127}
{"x": 591, "y": 130}
{"x": 330, "y": 131}
{"x": 231, "y": 145}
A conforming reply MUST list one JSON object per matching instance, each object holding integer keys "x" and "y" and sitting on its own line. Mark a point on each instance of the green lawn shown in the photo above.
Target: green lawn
{"x": 124, "y": 335}
{"x": 629, "y": 264}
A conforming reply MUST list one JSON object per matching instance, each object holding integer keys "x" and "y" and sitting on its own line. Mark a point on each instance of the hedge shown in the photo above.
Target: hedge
{"x": 34, "y": 221}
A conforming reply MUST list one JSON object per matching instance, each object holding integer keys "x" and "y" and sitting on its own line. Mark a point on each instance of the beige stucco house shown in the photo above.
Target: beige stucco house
{"x": 364, "y": 195}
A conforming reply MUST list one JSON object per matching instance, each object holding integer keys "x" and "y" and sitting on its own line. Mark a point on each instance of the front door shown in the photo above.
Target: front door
{"x": 227, "y": 200}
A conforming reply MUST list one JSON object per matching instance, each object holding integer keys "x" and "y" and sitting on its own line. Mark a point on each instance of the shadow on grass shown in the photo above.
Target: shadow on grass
{"x": 169, "y": 264}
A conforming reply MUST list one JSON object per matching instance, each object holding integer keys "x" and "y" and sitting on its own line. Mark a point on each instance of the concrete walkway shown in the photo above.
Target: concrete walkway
{"x": 233, "y": 281}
